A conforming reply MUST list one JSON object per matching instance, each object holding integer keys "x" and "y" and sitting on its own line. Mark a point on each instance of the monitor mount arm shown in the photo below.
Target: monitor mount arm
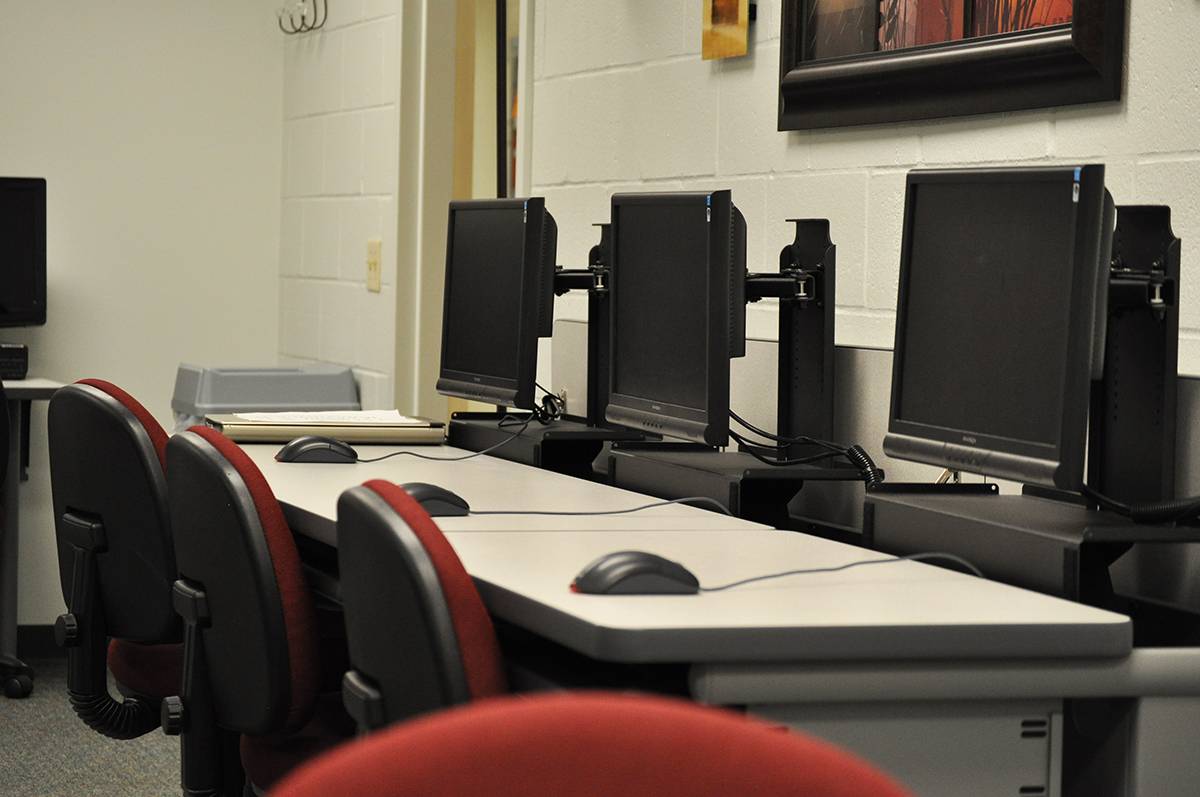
{"x": 1131, "y": 437}
{"x": 804, "y": 286}
{"x": 594, "y": 280}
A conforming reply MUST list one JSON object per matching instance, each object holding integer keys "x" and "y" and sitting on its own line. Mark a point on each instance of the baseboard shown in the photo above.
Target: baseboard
{"x": 37, "y": 642}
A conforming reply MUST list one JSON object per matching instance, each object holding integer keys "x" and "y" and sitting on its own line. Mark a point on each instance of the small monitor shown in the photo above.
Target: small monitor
{"x": 22, "y": 251}
{"x": 1000, "y": 320}
{"x": 499, "y": 297}
{"x": 678, "y": 312}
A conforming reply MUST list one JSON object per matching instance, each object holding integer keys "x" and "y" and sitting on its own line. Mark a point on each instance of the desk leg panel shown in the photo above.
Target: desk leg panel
{"x": 10, "y": 535}
{"x": 1165, "y": 763}
{"x": 948, "y": 749}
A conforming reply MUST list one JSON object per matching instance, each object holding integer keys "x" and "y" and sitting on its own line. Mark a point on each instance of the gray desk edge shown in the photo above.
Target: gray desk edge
{"x": 1145, "y": 672}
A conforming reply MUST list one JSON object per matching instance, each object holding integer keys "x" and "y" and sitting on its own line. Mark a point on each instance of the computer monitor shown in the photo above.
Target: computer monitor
{"x": 22, "y": 251}
{"x": 499, "y": 296}
{"x": 678, "y": 313}
{"x": 1000, "y": 321}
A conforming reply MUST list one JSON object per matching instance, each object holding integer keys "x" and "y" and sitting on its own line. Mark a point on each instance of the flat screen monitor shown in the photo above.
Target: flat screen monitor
{"x": 678, "y": 312}
{"x": 22, "y": 251}
{"x": 499, "y": 296}
{"x": 1000, "y": 320}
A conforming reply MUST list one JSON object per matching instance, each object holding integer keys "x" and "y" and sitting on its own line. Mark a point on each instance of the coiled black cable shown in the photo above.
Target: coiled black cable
{"x": 872, "y": 475}
{"x": 1174, "y": 511}
{"x": 549, "y": 409}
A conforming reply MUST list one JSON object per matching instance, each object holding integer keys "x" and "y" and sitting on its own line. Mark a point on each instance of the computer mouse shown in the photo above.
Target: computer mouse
{"x": 314, "y": 448}
{"x": 437, "y": 501}
{"x": 635, "y": 573}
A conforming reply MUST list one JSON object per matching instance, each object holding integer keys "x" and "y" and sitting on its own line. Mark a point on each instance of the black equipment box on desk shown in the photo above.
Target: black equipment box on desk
{"x": 564, "y": 446}
{"x": 14, "y": 361}
{"x": 747, "y": 487}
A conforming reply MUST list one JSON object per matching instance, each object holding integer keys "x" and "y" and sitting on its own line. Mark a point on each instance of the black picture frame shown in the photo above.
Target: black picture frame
{"x": 1081, "y": 62}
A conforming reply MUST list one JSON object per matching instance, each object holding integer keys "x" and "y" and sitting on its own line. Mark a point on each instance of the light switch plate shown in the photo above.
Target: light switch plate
{"x": 374, "y": 265}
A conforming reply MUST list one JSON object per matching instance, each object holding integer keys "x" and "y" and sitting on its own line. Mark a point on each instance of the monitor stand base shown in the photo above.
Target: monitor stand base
{"x": 567, "y": 445}
{"x": 747, "y": 487}
{"x": 1054, "y": 546}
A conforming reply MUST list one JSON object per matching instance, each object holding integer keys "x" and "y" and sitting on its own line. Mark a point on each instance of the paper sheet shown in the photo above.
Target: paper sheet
{"x": 355, "y": 417}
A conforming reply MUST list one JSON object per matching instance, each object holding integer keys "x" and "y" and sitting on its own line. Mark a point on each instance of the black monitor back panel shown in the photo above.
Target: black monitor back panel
{"x": 22, "y": 251}
{"x": 678, "y": 293}
{"x": 498, "y": 299}
{"x": 1001, "y": 274}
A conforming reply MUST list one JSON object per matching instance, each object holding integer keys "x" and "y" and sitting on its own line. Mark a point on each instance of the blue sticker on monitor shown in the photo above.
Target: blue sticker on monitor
{"x": 1078, "y": 173}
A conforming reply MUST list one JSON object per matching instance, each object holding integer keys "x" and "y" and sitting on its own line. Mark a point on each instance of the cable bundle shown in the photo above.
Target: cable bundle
{"x": 856, "y": 455}
{"x": 1176, "y": 511}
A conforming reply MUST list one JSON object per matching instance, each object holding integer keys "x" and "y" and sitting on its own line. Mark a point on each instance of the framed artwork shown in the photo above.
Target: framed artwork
{"x": 848, "y": 62}
{"x": 724, "y": 29}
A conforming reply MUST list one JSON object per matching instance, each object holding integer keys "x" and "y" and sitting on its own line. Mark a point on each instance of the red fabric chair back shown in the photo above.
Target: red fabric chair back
{"x": 583, "y": 744}
{"x": 232, "y": 540}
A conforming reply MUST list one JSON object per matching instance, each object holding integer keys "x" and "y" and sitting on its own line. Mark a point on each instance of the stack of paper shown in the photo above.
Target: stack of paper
{"x": 353, "y": 426}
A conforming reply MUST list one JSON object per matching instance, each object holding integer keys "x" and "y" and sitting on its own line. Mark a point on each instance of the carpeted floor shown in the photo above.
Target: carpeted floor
{"x": 46, "y": 751}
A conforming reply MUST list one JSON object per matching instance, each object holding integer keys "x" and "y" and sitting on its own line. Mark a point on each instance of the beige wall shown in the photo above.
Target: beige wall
{"x": 158, "y": 128}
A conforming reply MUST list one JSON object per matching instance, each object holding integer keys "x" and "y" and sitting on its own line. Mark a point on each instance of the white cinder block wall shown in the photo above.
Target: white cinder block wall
{"x": 341, "y": 142}
{"x": 623, "y": 102}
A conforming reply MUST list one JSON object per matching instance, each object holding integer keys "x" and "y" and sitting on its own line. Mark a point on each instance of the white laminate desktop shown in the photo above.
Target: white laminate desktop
{"x": 901, "y": 610}
{"x": 309, "y": 494}
{"x": 33, "y": 388}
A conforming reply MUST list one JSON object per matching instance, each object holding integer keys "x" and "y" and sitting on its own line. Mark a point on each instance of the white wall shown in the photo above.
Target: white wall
{"x": 341, "y": 91}
{"x": 623, "y": 102}
{"x": 157, "y": 126}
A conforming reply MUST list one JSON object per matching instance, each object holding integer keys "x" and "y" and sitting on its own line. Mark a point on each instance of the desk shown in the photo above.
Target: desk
{"x": 952, "y": 683}
{"x": 18, "y": 393}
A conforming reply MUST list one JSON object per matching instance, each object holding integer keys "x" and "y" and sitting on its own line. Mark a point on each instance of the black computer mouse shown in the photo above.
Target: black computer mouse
{"x": 314, "y": 448}
{"x": 437, "y": 501}
{"x": 635, "y": 573}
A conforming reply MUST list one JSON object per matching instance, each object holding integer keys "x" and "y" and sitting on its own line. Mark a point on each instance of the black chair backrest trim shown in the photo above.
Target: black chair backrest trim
{"x": 103, "y": 466}
{"x": 222, "y": 549}
{"x": 398, "y": 624}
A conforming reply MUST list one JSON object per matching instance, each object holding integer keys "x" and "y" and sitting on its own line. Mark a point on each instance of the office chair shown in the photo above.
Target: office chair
{"x": 115, "y": 556}
{"x": 588, "y": 743}
{"x": 420, "y": 638}
{"x": 251, "y": 642}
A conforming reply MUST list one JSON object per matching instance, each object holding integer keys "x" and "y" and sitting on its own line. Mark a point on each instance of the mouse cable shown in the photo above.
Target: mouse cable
{"x": 695, "y": 500}
{"x": 933, "y": 556}
{"x": 520, "y": 424}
